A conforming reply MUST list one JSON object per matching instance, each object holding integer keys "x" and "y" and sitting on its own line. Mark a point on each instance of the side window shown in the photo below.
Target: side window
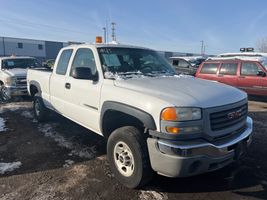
{"x": 175, "y": 62}
{"x": 183, "y": 63}
{"x": 63, "y": 62}
{"x": 84, "y": 58}
{"x": 228, "y": 68}
{"x": 250, "y": 69}
{"x": 209, "y": 68}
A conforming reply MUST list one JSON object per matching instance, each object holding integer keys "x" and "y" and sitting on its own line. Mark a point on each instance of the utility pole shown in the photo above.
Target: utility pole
{"x": 113, "y": 31}
{"x": 202, "y": 47}
{"x": 105, "y": 34}
{"x": 4, "y": 46}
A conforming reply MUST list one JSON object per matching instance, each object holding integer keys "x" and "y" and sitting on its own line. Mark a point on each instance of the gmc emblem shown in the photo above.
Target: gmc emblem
{"x": 235, "y": 114}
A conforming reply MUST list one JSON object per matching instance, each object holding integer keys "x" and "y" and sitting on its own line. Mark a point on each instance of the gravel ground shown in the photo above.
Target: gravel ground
{"x": 62, "y": 160}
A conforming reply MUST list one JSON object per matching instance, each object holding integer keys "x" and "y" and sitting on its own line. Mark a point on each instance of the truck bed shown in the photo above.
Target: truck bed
{"x": 42, "y": 76}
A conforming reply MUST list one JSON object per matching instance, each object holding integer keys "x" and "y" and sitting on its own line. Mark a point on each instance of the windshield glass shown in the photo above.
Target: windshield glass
{"x": 132, "y": 62}
{"x": 20, "y": 63}
{"x": 264, "y": 63}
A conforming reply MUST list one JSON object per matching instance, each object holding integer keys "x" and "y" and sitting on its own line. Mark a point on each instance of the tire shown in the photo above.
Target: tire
{"x": 39, "y": 109}
{"x": 128, "y": 157}
{"x": 4, "y": 95}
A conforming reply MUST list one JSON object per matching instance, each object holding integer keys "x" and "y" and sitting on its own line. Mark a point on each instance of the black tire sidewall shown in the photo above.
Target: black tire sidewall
{"x": 43, "y": 110}
{"x": 129, "y": 138}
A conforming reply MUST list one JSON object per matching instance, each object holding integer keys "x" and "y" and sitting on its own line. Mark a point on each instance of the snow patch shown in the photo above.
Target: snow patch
{"x": 2, "y": 125}
{"x": 9, "y": 167}
{"x": 76, "y": 149}
{"x": 152, "y": 195}
{"x": 68, "y": 163}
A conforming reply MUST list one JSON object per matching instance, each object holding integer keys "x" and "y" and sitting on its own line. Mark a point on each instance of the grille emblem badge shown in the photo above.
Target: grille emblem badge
{"x": 235, "y": 114}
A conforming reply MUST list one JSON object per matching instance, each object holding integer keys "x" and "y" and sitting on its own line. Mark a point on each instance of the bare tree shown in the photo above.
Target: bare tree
{"x": 261, "y": 44}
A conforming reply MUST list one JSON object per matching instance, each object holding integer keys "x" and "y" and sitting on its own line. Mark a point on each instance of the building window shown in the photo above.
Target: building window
{"x": 40, "y": 46}
{"x": 20, "y": 45}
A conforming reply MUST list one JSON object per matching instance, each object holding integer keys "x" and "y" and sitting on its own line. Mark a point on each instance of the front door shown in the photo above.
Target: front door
{"x": 82, "y": 97}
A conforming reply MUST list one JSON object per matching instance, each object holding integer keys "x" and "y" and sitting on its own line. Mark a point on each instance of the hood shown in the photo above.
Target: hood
{"x": 18, "y": 72}
{"x": 185, "y": 91}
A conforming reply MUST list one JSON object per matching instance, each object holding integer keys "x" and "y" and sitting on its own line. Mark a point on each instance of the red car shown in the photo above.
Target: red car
{"x": 247, "y": 75}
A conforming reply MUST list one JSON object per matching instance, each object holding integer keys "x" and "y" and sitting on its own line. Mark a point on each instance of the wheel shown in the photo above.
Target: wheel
{"x": 4, "y": 94}
{"x": 128, "y": 157}
{"x": 39, "y": 109}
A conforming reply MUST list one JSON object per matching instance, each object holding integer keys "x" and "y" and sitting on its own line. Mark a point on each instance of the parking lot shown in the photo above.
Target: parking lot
{"x": 62, "y": 160}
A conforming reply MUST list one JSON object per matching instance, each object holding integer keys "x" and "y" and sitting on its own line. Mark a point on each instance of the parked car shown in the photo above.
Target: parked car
{"x": 13, "y": 71}
{"x": 153, "y": 119}
{"x": 186, "y": 65}
{"x": 246, "y": 74}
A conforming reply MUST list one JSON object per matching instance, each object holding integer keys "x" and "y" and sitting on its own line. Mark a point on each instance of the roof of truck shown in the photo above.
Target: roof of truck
{"x": 106, "y": 45}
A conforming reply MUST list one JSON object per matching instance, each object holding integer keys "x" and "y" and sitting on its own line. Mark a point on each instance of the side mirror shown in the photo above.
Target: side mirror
{"x": 261, "y": 73}
{"x": 84, "y": 73}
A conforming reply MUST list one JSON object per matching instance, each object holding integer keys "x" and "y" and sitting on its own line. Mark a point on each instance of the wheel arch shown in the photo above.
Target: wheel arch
{"x": 123, "y": 115}
{"x": 34, "y": 88}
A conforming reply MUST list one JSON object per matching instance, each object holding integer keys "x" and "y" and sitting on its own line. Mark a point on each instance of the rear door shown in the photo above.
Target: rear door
{"x": 228, "y": 73}
{"x": 249, "y": 79}
{"x": 58, "y": 79}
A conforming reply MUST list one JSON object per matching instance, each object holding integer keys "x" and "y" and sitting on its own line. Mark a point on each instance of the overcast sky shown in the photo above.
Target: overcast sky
{"x": 174, "y": 25}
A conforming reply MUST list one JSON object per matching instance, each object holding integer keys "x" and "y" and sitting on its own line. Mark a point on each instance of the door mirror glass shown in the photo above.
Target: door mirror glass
{"x": 84, "y": 73}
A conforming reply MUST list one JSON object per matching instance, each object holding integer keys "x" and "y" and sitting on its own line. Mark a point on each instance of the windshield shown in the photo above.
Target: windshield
{"x": 133, "y": 62}
{"x": 20, "y": 63}
{"x": 264, "y": 63}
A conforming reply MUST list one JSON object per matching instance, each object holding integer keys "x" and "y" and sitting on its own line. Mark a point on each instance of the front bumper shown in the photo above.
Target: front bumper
{"x": 16, "y": 90}
{"x": 188, "y": 158}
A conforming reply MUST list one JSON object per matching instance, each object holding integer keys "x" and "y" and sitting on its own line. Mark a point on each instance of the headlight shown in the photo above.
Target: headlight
{"x": 181, "y": 114}
{"x": 11, "y": 81}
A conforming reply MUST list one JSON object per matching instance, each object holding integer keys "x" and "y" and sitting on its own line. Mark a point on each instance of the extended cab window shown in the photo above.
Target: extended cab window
{"x": 84, "y": 58}
{"x": 228, "y": 68}
{"x": 250, "y": 69}
{"x": 184, "y": 64}
{"x": 209, "y": 68}
{"x": 63, "y": 62}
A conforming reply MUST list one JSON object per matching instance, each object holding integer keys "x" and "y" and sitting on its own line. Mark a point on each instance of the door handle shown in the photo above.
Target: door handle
{"x": 220, "y": 75}
{"x": 67, "y": 86}
{"x": 241, "y": 77}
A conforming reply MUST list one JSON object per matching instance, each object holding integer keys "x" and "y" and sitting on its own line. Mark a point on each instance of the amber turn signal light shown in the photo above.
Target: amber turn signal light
{"x": 173, "y": 130}
{"x": 169, "y": 114}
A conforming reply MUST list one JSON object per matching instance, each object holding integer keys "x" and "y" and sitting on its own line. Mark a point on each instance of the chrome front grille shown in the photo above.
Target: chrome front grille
{"x": 228, "y": 118}
{"x": 21, "y": 81}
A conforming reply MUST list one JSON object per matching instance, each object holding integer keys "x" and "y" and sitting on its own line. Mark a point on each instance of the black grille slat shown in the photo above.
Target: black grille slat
{"x": 21, "y": 81}
{"x": 228, "y": 124}
{"x": 222, "y": 113}
{"x": 220, "y": 120}
{"x": 225, "y": 119}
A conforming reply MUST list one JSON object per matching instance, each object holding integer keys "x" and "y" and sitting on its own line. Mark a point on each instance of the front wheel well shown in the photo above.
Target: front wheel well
{"x": 33, "y": 90}
{"x": 113, "y": 120}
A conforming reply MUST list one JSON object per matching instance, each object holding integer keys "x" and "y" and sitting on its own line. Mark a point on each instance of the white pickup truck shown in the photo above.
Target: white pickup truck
{"x": 153, "y": 119}
{"x": 13, "y": 71}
